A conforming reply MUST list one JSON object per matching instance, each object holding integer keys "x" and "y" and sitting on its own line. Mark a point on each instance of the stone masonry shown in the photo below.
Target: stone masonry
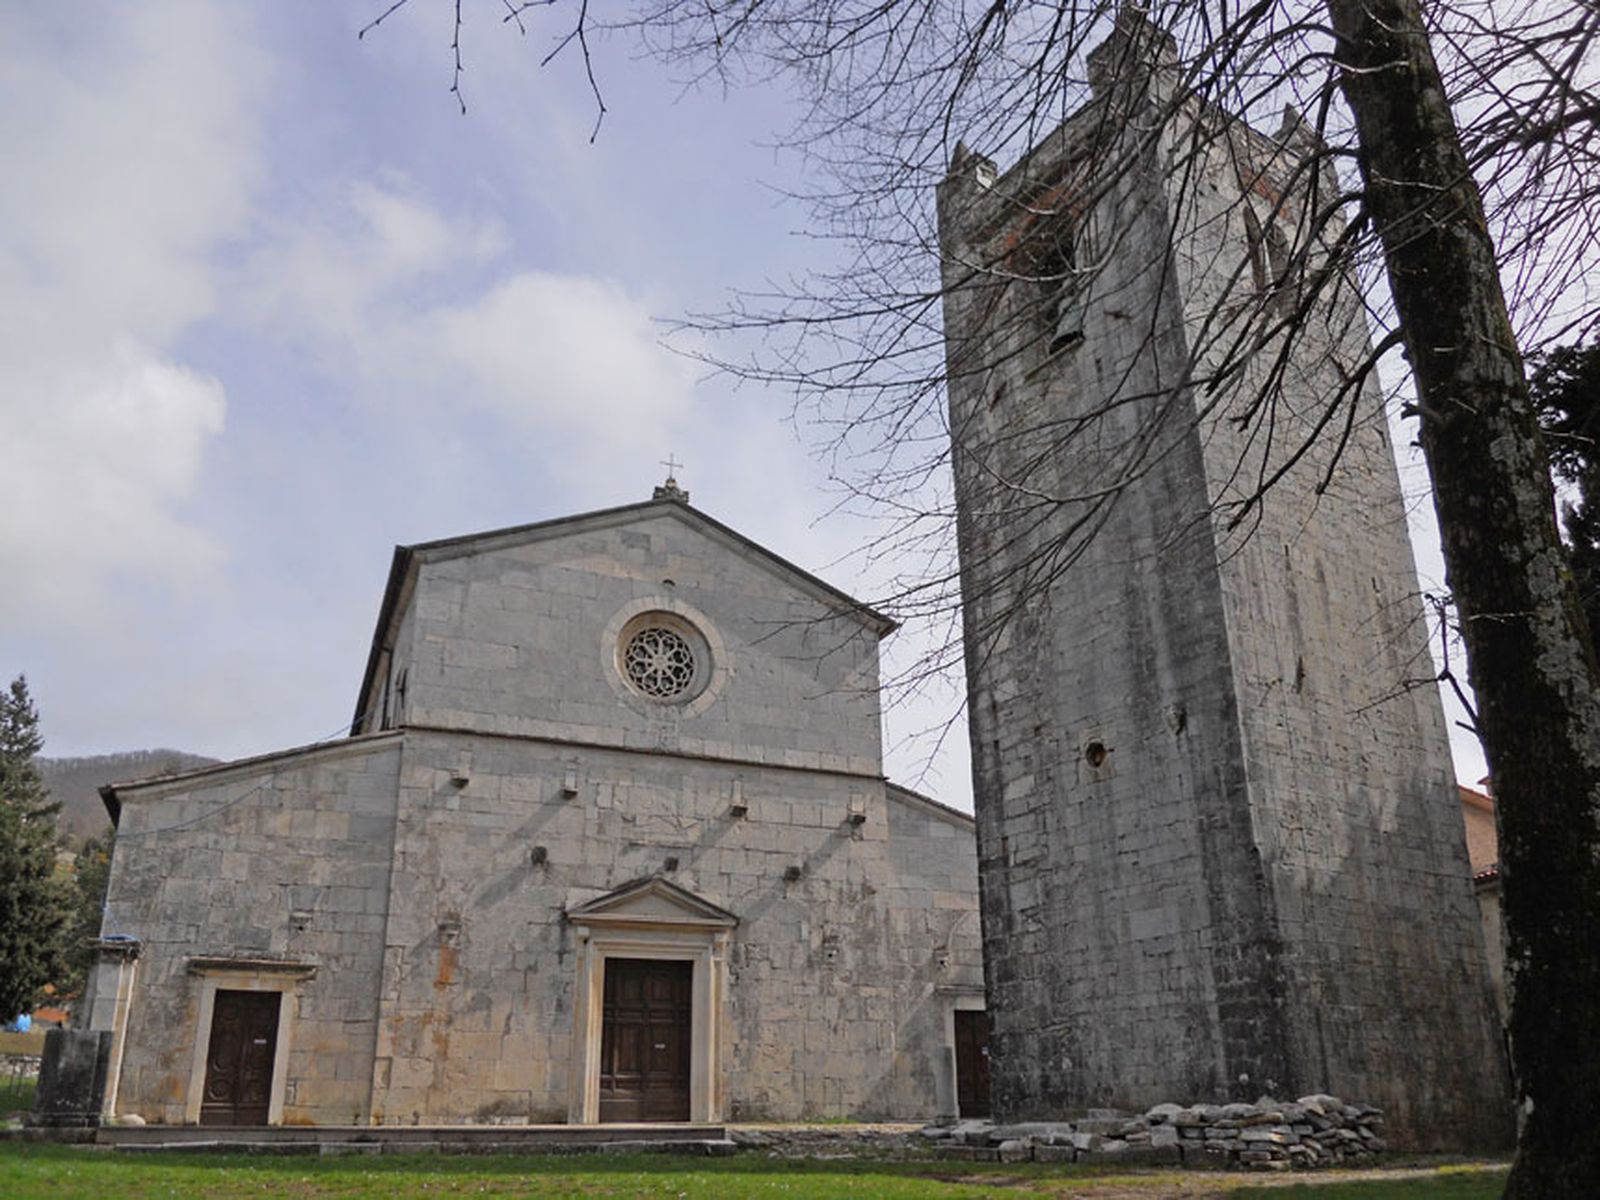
{"x": 412, "y": 892}
{"x": 1220, "y": 849}
{"x": 1269, "y": 1135}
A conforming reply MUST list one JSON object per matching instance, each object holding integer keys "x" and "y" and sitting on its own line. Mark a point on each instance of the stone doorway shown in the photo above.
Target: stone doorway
{"x": 240, "y": 1058}
{"x": 645, "y": 1040}
{"x": 972, "y": 1063}
{"x": 682, "y": 940}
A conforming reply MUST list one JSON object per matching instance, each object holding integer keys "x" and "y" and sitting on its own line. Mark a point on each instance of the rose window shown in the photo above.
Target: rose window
{"x": 660, "y": 663}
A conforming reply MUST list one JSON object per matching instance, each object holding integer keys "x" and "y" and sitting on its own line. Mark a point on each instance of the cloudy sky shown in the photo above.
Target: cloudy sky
{"x": 269, "y": 305}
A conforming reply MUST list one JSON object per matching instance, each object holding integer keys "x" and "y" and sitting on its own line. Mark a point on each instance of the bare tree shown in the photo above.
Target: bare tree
{"x": 1445, "y": 159}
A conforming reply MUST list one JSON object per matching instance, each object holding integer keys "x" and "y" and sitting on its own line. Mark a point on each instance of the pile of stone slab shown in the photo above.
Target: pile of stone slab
{"x": 1270, "y": 1135}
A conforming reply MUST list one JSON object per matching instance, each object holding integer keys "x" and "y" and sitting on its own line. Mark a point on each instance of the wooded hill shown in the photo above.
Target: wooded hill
{"x": 76, "y": 783}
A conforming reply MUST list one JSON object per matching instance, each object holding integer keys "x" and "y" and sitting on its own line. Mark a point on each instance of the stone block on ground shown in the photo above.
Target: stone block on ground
{"x": 1036, "y": 1130}
{"x": 1320, "y": 1102}
{"x": 1151, "y": 1156}
{"x": 1257, "y": 1134}
{"x": 72, "y": 1077}
{"x": 969, "y": 1153}
{"x": 1265, "y": 1116}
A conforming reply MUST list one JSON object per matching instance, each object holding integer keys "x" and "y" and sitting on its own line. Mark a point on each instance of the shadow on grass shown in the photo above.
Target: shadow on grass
{"x": 748, "y": 1162}
{"x": 1462, "y": 1183}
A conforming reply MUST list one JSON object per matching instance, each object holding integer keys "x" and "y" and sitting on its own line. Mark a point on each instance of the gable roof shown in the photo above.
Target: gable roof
{"x": 402, "y": 569}
{"x": 652, "y": 900}
{"x": 112, "y": 795}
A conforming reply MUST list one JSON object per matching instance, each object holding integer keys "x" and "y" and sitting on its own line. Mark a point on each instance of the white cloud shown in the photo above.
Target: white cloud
{"x": 416, "y": 303}
{"x": 94, "y": 469}
{"x": 130, "y": 160}
{"x": 567, "y": 354}
{"x": 345, "y": 275}
{"x": 405, "y": 237}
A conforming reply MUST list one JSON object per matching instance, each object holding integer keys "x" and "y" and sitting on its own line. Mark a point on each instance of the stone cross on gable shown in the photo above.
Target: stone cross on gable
{"x": 670, "y": 490}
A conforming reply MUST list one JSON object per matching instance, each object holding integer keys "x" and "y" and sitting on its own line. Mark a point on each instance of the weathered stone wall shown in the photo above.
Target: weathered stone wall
{"x": 281, "y": 859}
{"x": 837, "y": 988}
{"x": 435, "y": 865}
{"x": 1488, "y": 894}
{"x": 1352, "y": 788}
{"x": 521, "y": 640}
{"x": 1128, "y": 957}
{"x": 833, "y": 1006}
{"x": 1218, "y": 839}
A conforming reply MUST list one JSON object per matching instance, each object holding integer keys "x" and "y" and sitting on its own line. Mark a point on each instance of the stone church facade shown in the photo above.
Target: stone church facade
{"x": 610, "y": 841}
{"x": 1220, "y": 846}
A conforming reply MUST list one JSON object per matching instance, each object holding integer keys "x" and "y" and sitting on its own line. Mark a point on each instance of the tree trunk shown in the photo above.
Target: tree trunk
{"x": 1532, "y": 667}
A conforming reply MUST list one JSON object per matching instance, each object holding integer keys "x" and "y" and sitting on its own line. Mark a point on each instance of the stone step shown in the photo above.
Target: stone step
{"x": 458, "y": 1139}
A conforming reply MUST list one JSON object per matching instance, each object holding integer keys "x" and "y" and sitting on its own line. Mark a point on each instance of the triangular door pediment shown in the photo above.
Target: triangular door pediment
{"x": 652, "y": 901}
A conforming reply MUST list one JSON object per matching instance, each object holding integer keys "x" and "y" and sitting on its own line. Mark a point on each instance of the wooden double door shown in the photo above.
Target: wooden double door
{"x": 644, "y": 1040}
{"x": 240, "y": 1058}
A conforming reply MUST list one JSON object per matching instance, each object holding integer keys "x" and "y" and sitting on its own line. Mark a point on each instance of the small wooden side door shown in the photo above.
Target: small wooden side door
{"x": 972, "y": 1063}
{"x": 644, "y": 1040}
{"x": 240, "y": 1058}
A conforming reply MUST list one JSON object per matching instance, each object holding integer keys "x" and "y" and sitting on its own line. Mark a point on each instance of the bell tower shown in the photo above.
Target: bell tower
{"x": 1221, "y": 850}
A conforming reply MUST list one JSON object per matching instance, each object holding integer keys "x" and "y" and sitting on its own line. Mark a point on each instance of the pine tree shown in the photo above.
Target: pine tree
{"x": 91, "y": 871}
{"x": 33, "y": 902}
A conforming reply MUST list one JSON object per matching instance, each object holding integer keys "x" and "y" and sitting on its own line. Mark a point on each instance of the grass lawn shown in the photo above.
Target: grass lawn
{"x": 16, "y": 1096}
{"x": 1449, "y": 1183}
{"x": 60, "y": 1173}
